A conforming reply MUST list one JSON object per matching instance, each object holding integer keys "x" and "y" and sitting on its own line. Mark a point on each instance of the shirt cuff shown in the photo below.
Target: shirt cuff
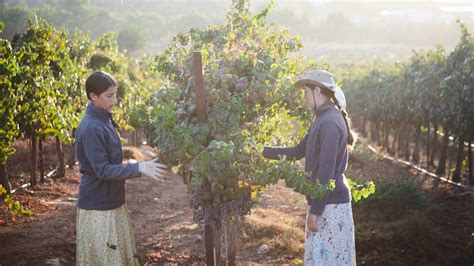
{"x": 265, "y": 151}
{"x": 136, "y": 172}
{"x": 317, "y": 207}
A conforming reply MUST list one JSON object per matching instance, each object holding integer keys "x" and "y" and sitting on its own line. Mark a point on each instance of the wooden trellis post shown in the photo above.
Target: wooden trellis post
{"x": 199, "y": 88}
{"x": 201, "y": 113}
{"x": 212, "y": 236}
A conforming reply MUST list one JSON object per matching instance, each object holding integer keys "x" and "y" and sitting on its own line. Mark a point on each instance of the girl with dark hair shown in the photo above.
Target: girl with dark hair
{"x": 329, "y": 224}
{"x": 104, "y": 232}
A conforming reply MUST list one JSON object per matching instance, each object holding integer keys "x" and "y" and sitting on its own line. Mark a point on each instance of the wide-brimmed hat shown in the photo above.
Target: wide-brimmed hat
{"x": 325, "y": 79}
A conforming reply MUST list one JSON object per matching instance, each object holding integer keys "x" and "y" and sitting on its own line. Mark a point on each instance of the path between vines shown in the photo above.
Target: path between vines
{"x": 160, "y": 212}
{"x": 165, "y": 232}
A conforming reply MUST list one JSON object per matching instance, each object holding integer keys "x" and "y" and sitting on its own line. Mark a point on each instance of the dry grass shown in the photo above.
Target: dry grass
{"x": 282, "y": 232}
{"x": 131, "y": 152}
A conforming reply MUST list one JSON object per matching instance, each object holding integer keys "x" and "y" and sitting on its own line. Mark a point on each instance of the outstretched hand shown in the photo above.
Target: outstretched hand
{"x": 153, "y": 169}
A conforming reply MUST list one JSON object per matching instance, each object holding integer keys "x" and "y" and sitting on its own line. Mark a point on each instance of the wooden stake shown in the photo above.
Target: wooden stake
{"x": 201, "y": 113}
{"x": 199, "y": 87}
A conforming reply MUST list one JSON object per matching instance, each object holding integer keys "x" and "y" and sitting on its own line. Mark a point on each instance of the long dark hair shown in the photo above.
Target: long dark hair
{"x": 98, "y": 82}
{"x": 351, "y": 137}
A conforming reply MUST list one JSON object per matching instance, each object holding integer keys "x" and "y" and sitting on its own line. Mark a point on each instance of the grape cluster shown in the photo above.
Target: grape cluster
{"x": 217, "y": 211}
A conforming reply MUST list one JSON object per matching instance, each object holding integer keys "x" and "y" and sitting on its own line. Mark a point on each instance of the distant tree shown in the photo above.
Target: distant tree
{"x": 15, "y": 18}
{"x": 190, "y": 20}
{"x": 131, "y": 38}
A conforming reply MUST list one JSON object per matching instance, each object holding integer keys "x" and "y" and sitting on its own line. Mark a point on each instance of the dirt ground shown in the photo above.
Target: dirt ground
{"x": 165, "y": 232}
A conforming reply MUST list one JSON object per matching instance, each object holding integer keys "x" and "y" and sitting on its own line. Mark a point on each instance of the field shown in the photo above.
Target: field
{"x": 397, "y": 231}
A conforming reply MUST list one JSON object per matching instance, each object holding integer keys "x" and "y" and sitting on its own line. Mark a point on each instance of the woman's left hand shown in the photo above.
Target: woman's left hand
{"x": 311, "y": 222}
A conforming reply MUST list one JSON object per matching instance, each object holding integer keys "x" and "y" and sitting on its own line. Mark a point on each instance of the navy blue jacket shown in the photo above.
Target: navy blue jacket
{"x": 99, "y": 153}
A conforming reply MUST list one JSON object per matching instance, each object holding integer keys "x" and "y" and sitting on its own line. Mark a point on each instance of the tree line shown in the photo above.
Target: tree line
{"x": 42, "y": 95}
{"x": 414, "y": 107}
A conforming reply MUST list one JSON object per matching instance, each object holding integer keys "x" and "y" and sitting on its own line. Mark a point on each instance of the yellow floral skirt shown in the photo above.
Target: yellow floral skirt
{"x": 105, "y": 238}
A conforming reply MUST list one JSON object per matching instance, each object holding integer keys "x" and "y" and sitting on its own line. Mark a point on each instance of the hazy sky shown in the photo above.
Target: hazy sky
{"x": 329, "y": 28}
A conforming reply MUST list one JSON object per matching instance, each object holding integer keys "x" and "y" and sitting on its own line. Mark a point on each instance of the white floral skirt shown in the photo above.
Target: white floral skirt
{"x": 334, "y": 243}
{"x": 105, "y": 238}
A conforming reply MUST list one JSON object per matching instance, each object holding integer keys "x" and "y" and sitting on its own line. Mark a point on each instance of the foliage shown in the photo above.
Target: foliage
{"x": 431, "y": 88}
{"x": 14, "y": 206}
{"x": 396, "y": 198}
{"x": 42, "y": 85}
{"x": 458, "y": 86}
{"x": 359, "y": 191}
{"x": 42, "y": 74}
{"x": 9, "y": 129}
{"x": 249, "y": 69}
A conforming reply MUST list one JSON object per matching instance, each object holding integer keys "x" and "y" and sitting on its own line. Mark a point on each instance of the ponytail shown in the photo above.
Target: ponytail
{"x": 350, "y": 134}
{"x": 351, "y": 137}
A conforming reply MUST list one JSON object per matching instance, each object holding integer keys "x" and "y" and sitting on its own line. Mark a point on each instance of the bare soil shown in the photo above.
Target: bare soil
{"x": 165, "y": 231}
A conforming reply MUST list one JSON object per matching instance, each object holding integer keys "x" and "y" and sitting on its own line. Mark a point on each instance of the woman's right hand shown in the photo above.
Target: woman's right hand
{"x": 153, "y": 169}
{"x": 311, "y": 222}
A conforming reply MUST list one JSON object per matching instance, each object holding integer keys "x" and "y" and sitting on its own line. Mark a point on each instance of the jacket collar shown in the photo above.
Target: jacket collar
{"x": 99, "y": 113}
{"x": 329, "y": 105}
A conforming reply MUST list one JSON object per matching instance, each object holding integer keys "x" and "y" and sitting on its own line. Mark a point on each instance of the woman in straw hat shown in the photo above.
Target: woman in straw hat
{"x": 329, "y": 223}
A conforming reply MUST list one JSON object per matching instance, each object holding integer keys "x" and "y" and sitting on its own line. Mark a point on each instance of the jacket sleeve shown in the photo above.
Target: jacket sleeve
{"x": 292, "y": 153}
{"x": 96, "y": 154}
{"x": 329, "y": 139}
